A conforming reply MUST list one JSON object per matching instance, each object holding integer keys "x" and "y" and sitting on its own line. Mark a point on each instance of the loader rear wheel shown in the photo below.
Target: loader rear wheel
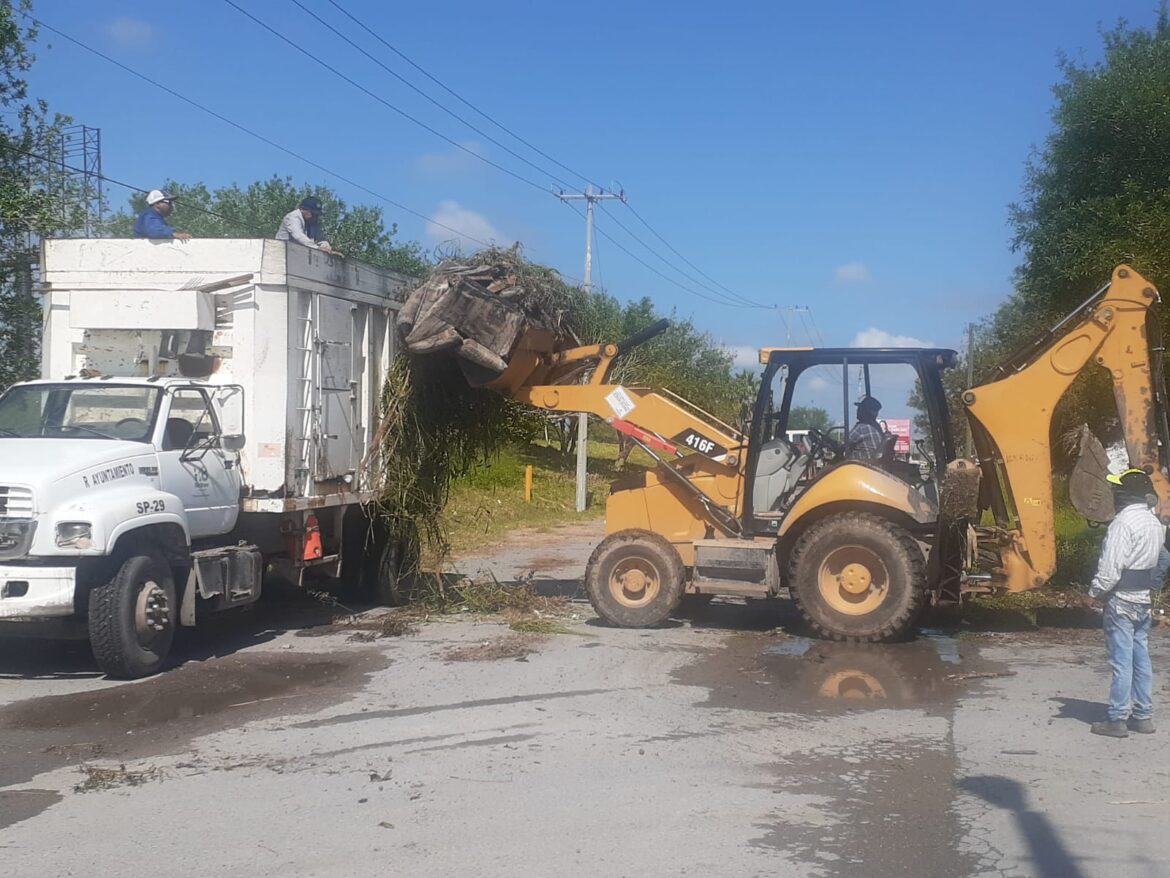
{"x": 634, "y": 579}
{"x": 132, "y": 617}
{"x": 858, "y": 577}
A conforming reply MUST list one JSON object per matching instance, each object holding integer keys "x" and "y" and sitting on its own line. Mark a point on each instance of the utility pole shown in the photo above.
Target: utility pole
{"x": 590, "y": 198}
{"x": 793, "y": 311}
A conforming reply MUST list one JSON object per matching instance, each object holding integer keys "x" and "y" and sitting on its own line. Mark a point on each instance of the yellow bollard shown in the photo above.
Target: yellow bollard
{"x": 528, "y": 483}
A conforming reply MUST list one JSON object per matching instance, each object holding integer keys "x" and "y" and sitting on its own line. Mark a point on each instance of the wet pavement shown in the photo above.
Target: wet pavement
{"x": 726, "y": 743}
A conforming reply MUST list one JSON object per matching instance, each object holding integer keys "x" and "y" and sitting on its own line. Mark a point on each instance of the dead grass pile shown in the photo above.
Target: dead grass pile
{"x": 511, "y": 646}
{"x": 439, "y": 595}
{"x": 106, "y": 778}
{"x": 435, "y": 426}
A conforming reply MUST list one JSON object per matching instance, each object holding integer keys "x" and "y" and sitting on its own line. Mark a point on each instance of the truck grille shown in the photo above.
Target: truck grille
{"x": 15, "y": 502}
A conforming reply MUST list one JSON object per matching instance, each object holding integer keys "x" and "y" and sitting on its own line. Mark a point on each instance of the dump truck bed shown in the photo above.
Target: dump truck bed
{"x": 308, "y": 336}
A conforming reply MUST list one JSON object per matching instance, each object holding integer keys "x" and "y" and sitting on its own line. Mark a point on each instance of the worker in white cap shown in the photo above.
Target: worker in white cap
{"x": 151, "y": 222}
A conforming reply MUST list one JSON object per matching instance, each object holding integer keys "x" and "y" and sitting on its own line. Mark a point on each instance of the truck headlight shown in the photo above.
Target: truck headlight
{"x": 74, "y": 535}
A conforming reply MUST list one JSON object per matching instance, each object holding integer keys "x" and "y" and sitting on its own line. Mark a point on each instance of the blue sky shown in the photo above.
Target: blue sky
{"x": 855, "y": 158}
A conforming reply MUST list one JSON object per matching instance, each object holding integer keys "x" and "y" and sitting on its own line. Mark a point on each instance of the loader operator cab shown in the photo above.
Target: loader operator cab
{"x": 804, "y": 414}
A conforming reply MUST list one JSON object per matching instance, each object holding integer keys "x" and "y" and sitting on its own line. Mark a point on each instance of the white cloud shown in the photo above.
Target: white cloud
{"x": 132, "y": 33}
{"x": 744, "y": 356}
{"x": 852, "y": 273}
{"x": 471, "y": 227}
{"x": 879, "y": 338}
{"x": 453, "y": 161}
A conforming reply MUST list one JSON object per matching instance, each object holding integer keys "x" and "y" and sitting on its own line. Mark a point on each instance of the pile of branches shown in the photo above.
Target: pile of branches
{"x": 435, "y": 425}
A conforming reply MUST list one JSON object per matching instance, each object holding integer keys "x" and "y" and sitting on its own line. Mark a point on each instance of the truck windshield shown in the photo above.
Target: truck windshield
{"x": 78, "y": 411}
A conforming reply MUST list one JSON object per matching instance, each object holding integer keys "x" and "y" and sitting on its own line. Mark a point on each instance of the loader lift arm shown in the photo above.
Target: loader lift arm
{"x": 1011, "y": 416}
{"x": 663, "y": 424}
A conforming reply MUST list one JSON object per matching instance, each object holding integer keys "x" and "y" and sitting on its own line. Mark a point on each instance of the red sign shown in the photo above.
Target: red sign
{"x": 900, "y": 427}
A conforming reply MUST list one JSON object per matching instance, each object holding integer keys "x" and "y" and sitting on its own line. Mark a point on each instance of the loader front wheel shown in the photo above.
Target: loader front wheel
{"x": 634, "y": 579}
{"x": 858, "y": 577}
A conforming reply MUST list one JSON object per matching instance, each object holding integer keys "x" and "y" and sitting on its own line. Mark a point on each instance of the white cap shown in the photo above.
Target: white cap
{"x": 155, "y": 196}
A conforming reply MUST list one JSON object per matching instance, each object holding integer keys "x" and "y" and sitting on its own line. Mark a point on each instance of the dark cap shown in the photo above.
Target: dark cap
{"x": 1134, "y": 482}
{"x": 869, "y": 402}
{"x": 311, "y": 204}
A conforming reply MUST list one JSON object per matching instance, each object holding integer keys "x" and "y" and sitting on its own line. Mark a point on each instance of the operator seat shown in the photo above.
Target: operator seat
{"x": 778, "y": 469}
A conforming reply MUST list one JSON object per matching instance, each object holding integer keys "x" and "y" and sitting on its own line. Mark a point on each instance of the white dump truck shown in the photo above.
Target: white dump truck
{"x": 207, "y": 409}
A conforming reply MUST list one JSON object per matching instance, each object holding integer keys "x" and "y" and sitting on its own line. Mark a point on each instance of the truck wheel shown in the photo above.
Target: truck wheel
{"x": 385, "y": 580}
{"x": 634, "y": 579}
{"x": 858, "y": 577}
{"x": 132, "y": 617}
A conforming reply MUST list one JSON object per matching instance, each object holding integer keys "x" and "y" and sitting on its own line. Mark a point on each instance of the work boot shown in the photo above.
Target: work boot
{"x": 1141, "y": 726}
{"x": 1111, "y": 728}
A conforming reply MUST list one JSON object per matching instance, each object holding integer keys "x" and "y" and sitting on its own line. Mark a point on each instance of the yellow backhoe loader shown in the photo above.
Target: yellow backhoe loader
{"x": 861, "y": 545}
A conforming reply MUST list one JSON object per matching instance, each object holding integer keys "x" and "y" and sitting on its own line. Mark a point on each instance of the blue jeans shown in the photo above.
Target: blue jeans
{"x": 1127, "y": 628}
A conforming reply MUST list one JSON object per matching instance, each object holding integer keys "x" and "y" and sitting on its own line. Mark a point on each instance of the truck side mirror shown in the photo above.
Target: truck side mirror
{"x": 234, "y": 442}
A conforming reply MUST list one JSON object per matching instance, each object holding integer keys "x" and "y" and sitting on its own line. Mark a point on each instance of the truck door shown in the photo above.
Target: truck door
{"x": 194, "y": 467}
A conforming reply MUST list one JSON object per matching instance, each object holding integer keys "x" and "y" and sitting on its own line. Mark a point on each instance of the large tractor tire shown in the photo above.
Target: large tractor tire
{"x": 858, "y": 577}
{"x": 634, "y": 579}
{"x": 132, "y": 616}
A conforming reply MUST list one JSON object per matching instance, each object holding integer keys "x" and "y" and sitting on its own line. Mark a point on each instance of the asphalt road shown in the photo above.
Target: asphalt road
{"x": 724, "y": 744}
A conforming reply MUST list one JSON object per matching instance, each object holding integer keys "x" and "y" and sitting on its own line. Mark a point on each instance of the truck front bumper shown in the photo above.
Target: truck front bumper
{"x": 34, "y": 593}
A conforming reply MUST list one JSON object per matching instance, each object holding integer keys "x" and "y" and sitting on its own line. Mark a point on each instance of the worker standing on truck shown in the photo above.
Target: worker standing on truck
{"x": 151, "y": 222}
{"x": 303, "y": 225}
{"x": 1134, "y": 561}
{"x": 866, "y": 439}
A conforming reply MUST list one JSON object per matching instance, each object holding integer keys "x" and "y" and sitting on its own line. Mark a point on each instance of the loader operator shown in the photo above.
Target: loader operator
{"x": 1134, "y": 562}
{"x": 866, "y": 439}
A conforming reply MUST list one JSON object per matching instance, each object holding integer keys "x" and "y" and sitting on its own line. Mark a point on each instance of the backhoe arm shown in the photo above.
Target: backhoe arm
{"x": 1011, "y": 418}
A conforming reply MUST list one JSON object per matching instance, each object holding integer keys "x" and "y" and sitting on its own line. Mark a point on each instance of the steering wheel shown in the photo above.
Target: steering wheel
{"x": 820, "y": 443}
{"x": 130, "y": 428}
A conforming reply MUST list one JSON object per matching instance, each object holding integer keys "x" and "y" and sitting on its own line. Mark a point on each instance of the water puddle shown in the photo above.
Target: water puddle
{"x": 802, "y": 675}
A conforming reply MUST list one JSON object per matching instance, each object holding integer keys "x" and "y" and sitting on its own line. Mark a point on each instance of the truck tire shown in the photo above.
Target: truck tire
{"x": 385, "y": 570}
{"x": 634, "y": 579}
{"x": 132, "y": 616}
{"x": 858, "y": 577}
{"x": 376, "y": 565}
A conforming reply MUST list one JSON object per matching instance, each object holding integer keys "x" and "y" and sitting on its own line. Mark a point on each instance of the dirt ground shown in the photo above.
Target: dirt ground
{"x": 725, "y": 743}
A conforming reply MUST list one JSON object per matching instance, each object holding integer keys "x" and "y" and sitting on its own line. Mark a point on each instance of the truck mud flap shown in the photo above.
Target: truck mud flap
{"x": 226, "y": 577}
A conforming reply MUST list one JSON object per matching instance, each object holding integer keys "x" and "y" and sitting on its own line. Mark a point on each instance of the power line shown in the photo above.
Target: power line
{"x": 419, "y": 91}
{"x": 722, "y": 297}
{"x": 732, "y": 298}
{"x": 647, "y": 265}
{"x": 251, "y": 133}
{"x": 456, "y": 95}
{"x": 383, "y": 101}
{"x": 672, "y": 249}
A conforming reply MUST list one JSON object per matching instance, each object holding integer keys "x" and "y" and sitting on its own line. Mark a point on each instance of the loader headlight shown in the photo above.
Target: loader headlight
{"x": 74, "y": 535}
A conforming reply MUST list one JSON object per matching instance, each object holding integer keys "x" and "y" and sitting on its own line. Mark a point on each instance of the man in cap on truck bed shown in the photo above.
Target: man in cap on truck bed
{"x": 151, "y": 222}
{"x": 303, "y": 225}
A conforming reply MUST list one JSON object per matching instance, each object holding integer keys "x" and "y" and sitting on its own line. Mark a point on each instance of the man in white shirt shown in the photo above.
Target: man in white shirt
{"x": 1134, "y": 561}
{"x": 303, "y": 225}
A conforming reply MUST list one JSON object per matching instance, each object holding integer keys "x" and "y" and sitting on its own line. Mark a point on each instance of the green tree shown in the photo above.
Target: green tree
{"x": 359, "y": 231}
{"x": 1097, "y": 194}
{"x": 808, "y": 417}
{"x": 36, "y": 198}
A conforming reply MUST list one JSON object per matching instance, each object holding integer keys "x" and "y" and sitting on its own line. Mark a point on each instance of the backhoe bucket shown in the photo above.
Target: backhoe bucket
{"x": 1090, "y": 494}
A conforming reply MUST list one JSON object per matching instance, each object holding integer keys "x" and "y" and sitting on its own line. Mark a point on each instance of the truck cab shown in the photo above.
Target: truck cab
{"x": 131, "y": 499}
{"x": 101, "y": 474}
